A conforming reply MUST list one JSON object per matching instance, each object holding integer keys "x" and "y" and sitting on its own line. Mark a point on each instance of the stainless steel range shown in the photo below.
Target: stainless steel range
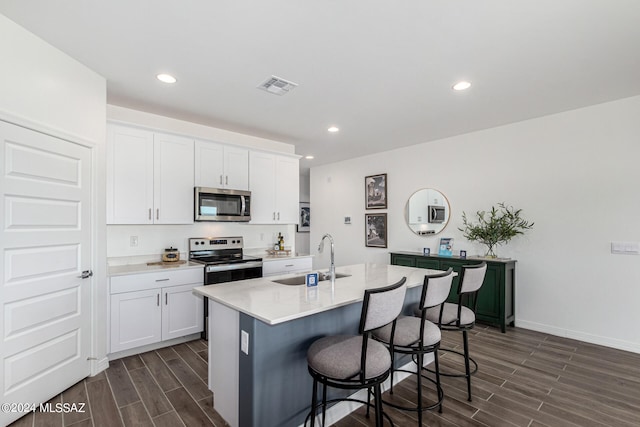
{"x": 224, "y": 261}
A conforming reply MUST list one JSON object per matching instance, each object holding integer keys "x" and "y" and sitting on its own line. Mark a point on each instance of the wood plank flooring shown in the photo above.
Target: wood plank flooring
{"x": 525, "y": 378}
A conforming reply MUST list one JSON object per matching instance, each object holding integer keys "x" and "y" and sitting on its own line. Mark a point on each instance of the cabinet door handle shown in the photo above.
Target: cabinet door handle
{"x": 278, "y": 216}
{"x": 166, "y": 299}
{"x": 158, "y": 213}
{"x": 220, "y": 179}
{"x": 289, "y": 265}
{"x": 274, "y": 216}
{"x": 162, "y": 280}
{"x": 158, "y": 299}
{"x": 226, "y": 180}
{"x": 149, "y": 214}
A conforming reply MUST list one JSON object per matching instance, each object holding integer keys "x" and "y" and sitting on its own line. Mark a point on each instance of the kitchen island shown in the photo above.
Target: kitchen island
{"x": 260, "y": 330}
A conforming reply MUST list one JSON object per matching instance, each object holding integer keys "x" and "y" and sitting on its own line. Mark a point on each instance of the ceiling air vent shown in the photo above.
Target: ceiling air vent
{"x": 277, "y": 86}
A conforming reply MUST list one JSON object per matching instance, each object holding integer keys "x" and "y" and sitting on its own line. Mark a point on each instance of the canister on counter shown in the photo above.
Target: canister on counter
{"x": 171, "y": 255}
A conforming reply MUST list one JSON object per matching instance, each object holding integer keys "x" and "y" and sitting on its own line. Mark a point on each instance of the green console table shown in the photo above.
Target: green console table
{"x": 496, "y": 297}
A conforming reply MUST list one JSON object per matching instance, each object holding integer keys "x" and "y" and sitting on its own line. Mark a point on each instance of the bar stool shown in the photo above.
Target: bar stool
{"x": 461, "y": 317}
{"x": 356, "y": 361}
{"x": 418, "y": 337}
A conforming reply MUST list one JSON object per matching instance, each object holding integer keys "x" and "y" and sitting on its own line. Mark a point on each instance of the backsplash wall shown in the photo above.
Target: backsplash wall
{"x": 153, "y": 239}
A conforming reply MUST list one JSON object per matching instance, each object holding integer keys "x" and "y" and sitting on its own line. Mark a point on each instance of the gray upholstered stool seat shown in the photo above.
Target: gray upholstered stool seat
{"x": 450, "y": 315}
{"x": 354, "y": 362}
{"x": 408, "y": 332}
{"x": 339, "y": 357}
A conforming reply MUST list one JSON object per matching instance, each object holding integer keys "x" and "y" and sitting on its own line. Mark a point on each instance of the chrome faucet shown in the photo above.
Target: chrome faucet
{"x": 332, "y": 270}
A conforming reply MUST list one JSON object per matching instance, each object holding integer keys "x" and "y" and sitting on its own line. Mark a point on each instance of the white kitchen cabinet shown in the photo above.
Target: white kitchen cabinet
{"x": 273, "y": 267}
{"x": 148, "y": 308}
{"x": 135, "y": 319}
{"x": 221, "y": 166}
{"x": 182, "y": 312}
{"x": 274, "y": 185}
{"x": 149, "y": 177}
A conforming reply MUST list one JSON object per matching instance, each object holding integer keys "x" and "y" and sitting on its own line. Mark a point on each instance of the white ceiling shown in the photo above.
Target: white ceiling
{"x": 382, "y": 71}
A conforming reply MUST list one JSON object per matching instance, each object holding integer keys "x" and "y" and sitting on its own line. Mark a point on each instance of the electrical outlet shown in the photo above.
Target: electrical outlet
{"x": 133, "y": 241}
{"x": 244, "y": 342}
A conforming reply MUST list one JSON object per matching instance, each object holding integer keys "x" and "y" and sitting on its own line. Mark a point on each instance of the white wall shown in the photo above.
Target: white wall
{"x": 152, "y": 239}
{"x": 44, "y": 89}
{"x": 575, "y": 174}
{"x": 168, "y": 124}
{"x": 40, "y": 84}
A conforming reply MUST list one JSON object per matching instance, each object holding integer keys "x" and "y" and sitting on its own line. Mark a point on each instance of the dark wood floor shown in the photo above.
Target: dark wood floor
{"x": 525, "y": 379}
{"x": 166, "y": 387}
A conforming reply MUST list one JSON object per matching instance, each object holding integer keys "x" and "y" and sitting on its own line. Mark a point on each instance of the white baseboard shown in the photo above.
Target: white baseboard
{"x": 344, "y": 408}
{"x": 150, "y": 347}
{"x": 581, "y": 336}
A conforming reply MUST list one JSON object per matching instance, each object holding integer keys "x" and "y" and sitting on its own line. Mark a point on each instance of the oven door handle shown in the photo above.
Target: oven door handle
{"x": 240, "y": 266}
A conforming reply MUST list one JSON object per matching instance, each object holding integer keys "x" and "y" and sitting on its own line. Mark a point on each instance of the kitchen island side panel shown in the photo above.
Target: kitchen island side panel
{"x": 275, "y": 384}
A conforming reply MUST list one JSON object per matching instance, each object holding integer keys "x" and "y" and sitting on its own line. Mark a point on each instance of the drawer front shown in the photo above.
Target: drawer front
{"x": 155, "y": 280}
{"x": 284, "y": 266}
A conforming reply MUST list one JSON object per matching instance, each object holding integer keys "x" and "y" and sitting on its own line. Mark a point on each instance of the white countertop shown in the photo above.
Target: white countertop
{"x": 267, "y": 257}
{"x": 119, "y": 270}
{"x": 275, "y": 303}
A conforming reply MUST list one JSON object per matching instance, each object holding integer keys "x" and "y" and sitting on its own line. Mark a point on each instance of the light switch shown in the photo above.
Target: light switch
{"x": 244, "y": 342}
{"x": 629, "y": 248}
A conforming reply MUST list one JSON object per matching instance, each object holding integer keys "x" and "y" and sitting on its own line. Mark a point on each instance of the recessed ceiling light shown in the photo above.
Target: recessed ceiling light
{"x": 461, "y": 85}
{"x": 308, "y": 157}
{"x": 166, "y": 78}
{"x": 333, "y": 129}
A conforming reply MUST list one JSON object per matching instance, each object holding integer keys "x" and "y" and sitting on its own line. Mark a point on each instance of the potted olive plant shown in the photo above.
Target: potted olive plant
{"x": 495, "y": 227}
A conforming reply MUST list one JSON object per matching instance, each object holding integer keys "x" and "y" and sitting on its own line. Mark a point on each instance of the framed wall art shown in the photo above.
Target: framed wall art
{"x": 304, "y": 220}
{"x": 376, "y": 191}
{"x": 376, "y": 230}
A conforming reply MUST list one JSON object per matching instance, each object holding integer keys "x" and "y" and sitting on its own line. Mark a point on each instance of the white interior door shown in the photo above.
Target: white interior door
{"x": 45, "y": 244}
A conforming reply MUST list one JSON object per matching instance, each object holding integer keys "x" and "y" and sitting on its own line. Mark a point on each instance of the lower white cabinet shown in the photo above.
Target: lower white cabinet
{"x": 143, "y": 311}
{"x": 180, "y": 314}
{"x": 285, "y": 266}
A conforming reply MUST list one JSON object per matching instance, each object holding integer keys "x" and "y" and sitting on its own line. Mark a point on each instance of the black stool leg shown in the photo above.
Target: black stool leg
{"x": 378, "y": 403}
{"x": 324, "y": 403}
{"x": 392, "y": 368}
{"x": 438, "y": 386}
{"x": 419, "y": 379}
{"x": 314, "y": 397}
{"x": 466, "y": 363}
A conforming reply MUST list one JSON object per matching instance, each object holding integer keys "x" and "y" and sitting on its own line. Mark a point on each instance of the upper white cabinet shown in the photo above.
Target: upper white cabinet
{"x": 221, "y": 166}
{"x": 274, "y": 186}
{"x": 150, "y": 177}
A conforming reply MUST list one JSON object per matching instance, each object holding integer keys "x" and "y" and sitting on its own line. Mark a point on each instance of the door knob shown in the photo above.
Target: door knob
{"x": 86, "y": 274}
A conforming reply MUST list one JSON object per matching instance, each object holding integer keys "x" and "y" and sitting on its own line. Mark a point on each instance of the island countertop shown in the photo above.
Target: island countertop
{"x": 275, "y": 303}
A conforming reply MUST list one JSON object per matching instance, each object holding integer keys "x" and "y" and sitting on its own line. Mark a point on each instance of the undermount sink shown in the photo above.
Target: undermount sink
{"x": 301, "y": 280}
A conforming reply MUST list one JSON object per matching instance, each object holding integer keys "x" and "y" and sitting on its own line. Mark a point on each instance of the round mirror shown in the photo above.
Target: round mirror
{"x": 427, "y": 212}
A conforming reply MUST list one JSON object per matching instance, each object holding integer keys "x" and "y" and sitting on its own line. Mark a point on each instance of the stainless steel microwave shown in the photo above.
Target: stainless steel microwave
{"x": 219, "y": 204}
{"x": 436, "y": 214}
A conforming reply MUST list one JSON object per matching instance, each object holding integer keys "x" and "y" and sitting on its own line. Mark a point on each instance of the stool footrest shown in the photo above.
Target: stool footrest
{"x": 346, "y": 399}
{"x": 416, "y": 408}
{"x": 449, "y": 374}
